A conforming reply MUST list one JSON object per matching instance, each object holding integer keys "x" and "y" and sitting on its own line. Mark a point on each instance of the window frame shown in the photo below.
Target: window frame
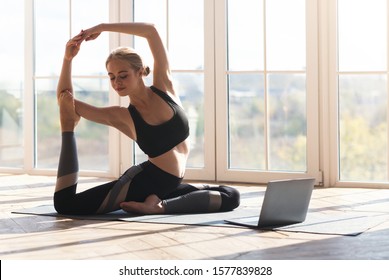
{"x": 313, "y": 170}
{"x": 330, "y": 103}
{"x": 29, "y": 120}
{"x": 322, "y": 104}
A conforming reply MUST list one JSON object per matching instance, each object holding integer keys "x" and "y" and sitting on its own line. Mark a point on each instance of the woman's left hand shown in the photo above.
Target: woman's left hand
{"x": 92, "y": 33}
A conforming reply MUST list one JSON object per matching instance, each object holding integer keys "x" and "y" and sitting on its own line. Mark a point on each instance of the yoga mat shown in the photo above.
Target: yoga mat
{"x": 202, "y": 219}
{"x": 350, "y": 223}
{"x": 338, "y": 223}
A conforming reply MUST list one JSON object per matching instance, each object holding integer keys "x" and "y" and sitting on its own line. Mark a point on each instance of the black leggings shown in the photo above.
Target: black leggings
{"x": 136, "y": 184}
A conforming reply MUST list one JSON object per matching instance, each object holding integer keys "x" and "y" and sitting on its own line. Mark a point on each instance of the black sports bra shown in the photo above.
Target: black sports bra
{"x": 155, "y": 140}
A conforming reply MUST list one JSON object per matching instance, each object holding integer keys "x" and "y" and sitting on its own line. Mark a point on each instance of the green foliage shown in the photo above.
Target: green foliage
{"x": 363, "y": 150}
{"x": 11, "y": 104}
{"x": 285, "y": 127}
{"x": 363, "y": 138}
{"x": 48, "y": 116}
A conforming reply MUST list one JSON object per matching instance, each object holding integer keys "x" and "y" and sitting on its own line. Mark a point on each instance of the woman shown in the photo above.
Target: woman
{"x": 154, "y": 119}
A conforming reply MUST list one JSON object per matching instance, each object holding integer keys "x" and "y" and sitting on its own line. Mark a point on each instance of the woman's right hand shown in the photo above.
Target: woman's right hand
{"x": 73, "y": 46}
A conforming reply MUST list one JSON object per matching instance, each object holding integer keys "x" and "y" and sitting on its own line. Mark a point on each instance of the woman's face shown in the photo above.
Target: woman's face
{"x": 123, "y": 78}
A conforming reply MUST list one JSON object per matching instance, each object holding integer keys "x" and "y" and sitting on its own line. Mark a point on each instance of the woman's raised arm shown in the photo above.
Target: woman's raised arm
{"x": 65, "y": 78}
{"x": 161, "y": 70}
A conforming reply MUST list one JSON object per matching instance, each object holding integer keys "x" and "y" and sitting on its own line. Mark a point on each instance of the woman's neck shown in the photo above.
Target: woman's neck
{"x": 140, "y": 97}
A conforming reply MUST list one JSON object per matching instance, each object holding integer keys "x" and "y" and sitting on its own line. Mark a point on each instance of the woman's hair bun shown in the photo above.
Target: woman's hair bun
{"x": 146, "y": 71}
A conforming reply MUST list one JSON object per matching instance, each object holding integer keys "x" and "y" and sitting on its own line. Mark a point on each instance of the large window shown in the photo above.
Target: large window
{"x": 55, "y": 22}
{"x": 362, "y": 90}
{"x": 11, "y": 84}
{"x": 266, "y": 85}
{"x": 273, "y": 88}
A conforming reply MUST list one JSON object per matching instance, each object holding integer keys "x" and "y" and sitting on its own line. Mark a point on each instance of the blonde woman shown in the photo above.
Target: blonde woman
{"x": 154, "y": 119}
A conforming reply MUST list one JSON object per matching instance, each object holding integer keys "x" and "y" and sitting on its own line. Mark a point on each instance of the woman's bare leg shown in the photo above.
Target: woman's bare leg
{"x": 67, "y": 112}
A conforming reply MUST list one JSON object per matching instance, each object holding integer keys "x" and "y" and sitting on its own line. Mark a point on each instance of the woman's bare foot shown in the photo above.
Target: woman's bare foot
{"x": 152, "y": 205}
{"x": 67, "y": 113}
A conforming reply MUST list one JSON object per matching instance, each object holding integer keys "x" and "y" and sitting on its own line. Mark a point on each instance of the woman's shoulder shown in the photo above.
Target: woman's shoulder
{"x": 166, "y": 94}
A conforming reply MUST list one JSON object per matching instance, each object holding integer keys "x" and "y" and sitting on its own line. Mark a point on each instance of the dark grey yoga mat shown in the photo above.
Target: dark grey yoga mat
{"x": 349, "y": 223}
{"x": 202, "y": 219}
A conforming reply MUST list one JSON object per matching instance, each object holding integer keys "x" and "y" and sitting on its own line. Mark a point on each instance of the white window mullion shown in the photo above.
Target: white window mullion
{"x": 29, "y": 95}
{"x": 312, "y": 87}
{"x": 326, "y": 24}
{"x": 115, "y": 142}
{"x": 332, "y": 118}
{"x": 208, "y": 172}
{"x": 123, "y": 13}
{"x": 221, "y": 90}
{"x": 387, "y": 80}
{"x": 266, "y": 95}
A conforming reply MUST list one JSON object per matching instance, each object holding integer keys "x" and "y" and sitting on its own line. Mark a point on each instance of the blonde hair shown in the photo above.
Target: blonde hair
{"x": 131, "y": 57}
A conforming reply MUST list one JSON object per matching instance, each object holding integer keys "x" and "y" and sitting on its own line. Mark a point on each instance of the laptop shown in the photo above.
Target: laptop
{"x": 285, "y": 203}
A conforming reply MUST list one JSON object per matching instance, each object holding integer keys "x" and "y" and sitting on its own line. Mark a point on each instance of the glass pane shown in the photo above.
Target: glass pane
{"x": 246, "y": 127}
{"x": 47, "y": 124}
{"x": 140, "y": 156}
{"x": 11, "y": 83}
{"x": 186, "y": 34}
{"x": 245, "y": 35}
{"x": 155, "y": 15}
{"x": 287, "y": 122}
{"x": 285, "y": 35}
{"x": 362, "y": 35}
{"x": 363, "y": 127}
{"x": 92, "y": 138}
{"x": 190, "y": 87}
{"x": 92, "y": 56}
{"x": 51, "y": 35}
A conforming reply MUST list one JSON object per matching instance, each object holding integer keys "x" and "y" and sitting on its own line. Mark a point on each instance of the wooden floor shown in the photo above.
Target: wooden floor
{"x": 38, "y": 237}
